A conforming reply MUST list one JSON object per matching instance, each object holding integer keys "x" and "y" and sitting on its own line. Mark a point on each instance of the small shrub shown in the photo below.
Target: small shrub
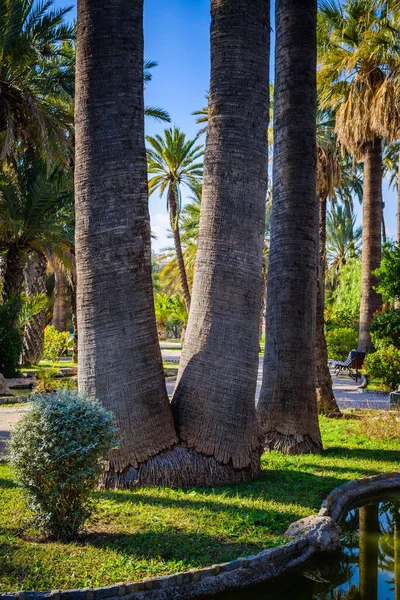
{"x": 46, "y": 379}
{"x": 385, "y": 328}
{"x": 382, "y": 425}
{"x": 10, "y": 341}
{"x": 56, "y": 343}
{"x": 340, "y": 341}
{"x": 56, "y": 450}
{"x": 384, "y": 364}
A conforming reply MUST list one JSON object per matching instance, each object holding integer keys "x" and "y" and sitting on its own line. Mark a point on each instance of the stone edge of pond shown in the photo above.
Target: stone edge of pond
{"x": 312, "y": 534}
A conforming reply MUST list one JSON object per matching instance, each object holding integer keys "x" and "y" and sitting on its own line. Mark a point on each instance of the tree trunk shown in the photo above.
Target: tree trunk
{"x": 173, "y": 211}
{"x": 326, "y": 400}
{"x": 12, "y": 275}
{"x": 369, "y": 551}
{"x": 73, "y": 310}
{"x": 35, "y": 283}
{"x": 60, "y": 298}
{"x": 119, "y": 354}
{"x": 396, "y": 547}
{"x": 287, "y": 406}
{"x": 371, "y": 301}
{"x": 398, "y": 202}
{"x": 214, "y": 401}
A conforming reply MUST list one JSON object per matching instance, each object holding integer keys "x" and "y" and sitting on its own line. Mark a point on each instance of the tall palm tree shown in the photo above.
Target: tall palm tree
{"x": 173, "y": 162}
{"x": 287, "y": 406}
{"x": 35, "y": 283}
{"x": 119, "y": 354}
{"x": 328, "y": 178}
{"x": 36, "y": 77}
{"x": 189, "y": 220}
{"x": 213, "y": 402}
{"x": 359, "y": 59}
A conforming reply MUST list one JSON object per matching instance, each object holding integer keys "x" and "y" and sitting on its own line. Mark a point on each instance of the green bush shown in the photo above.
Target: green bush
{"x": 56, "y": 343}
{"x": 384, "y": 364}
{"x": 385, "y": 328}
{"x": 10, "y": 341}
{"x": 340, "y": 341}
{"x": 56, "y": 449}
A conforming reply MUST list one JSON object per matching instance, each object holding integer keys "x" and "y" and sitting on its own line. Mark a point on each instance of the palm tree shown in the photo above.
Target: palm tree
{"x": 180, "y": 313}
{"x": 343, "y": 239}
{"x": 287, "y": 406}
{"x": 155, "y": 112}
{"x": 359, "y": 60}
{"x": 163, "y": 308}
{"x": 32, "y": 206}
{"x": 328, "y": 179}
{"x": 189, "y": 220}
{"x": 36, "y": 77}
{"x": 173, "y": 161}
{"x": 213, "y": 403}
{"x": 119, "y": 354}
{"x": 35, "y": 283}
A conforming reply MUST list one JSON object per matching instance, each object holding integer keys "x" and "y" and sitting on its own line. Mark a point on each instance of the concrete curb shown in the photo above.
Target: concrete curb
{"x": 313, "y": 534}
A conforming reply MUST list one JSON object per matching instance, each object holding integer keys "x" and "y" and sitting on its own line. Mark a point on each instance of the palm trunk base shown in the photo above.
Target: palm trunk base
{"x": 291, "y": 444}
{"x": 326, "y": 403}
{"x": 181, "y": 467}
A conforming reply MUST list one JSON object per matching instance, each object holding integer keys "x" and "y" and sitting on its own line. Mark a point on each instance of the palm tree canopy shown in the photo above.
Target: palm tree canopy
{"x": 155, "y": 112}
{"x": 36, "y": 76}
{"x": 173, "y": 160}
{"x": 342, "y": 237}
{"x": 359, "y": 55}
{"x": 36, "y": 211}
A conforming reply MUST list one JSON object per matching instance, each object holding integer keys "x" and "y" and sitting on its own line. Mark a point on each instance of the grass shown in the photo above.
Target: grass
{"x": 47, "y": 364}
{"x": 157, "y": 531}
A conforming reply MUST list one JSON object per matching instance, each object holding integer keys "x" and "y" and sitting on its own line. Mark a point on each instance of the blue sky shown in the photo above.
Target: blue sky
{"x": 177, "y": 37}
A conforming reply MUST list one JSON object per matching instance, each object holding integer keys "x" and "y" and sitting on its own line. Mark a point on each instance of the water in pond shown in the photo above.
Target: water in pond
{"x": 367, "y": 568}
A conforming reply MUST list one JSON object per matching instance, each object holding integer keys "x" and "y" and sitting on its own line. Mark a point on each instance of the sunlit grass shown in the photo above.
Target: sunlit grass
{"x": 157, "y": 531}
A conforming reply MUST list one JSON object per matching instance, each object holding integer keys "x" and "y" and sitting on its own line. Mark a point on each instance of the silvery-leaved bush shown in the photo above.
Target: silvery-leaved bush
{"x": 57, "y": 449}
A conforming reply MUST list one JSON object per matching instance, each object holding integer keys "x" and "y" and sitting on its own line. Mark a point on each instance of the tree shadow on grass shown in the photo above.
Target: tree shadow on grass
{"x": 390, "y": 456}
{"x": 279, "y": 486}
{"x": 8, "y": 484}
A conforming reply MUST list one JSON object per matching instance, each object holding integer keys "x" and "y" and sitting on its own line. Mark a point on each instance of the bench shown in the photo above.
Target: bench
{"x": 352, "y": 364}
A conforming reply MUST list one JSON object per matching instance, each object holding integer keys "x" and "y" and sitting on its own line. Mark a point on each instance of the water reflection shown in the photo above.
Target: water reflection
{"x": 368, "y": 567}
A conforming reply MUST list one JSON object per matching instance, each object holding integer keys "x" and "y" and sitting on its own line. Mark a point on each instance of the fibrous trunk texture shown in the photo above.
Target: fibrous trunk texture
{"x": 12, "y": 275}
{"x": 371, "y": 301}
{"x": 398, "y": 203}
{"x": 287, "y": 407}
{"x": 35, "y": 283}
{"x": 326, "y": 400}
{"x": 368, "y": 551}
{"x": 173, "y": 211}
{"x": 119, "y": 355}
{"x": 214, "y": 401}
{"x": 73, "y": 310}
{"x": 60, "y": 297}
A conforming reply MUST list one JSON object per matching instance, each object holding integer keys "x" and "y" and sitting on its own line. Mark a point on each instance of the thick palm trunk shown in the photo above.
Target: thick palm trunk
{"x": 119, "y": 355}
{"x": 371, "y": 301}
{"x": 287, "y": 406}
{"x": 326, "y": 400}
{"x": 398, "y": 202}
{"x": 213, "y": 403}
{"x": 173, "y": 209}
{"x": 35, "y": 283}
{"x": 12, "y": 275}
{"x": 369, "y": 551}
{"x": 60, "y": 298}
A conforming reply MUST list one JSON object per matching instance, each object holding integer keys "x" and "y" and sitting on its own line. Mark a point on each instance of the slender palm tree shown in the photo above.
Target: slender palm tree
{"x": 287, "y": 406}
{"x": 173, "y": 162}
{"x": 189, "y": 220}
{"x": 36, "y": 77}
{"x": 359, "y": 59}
{"x": 214, "y": 401}
{"x": 119, "y": 354}
{"x": 328, "y": 178}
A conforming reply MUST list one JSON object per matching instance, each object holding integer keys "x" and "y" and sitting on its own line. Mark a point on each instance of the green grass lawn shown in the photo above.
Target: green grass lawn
{"x": 48, "y": 364}
{"x": 157, "y": 531}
